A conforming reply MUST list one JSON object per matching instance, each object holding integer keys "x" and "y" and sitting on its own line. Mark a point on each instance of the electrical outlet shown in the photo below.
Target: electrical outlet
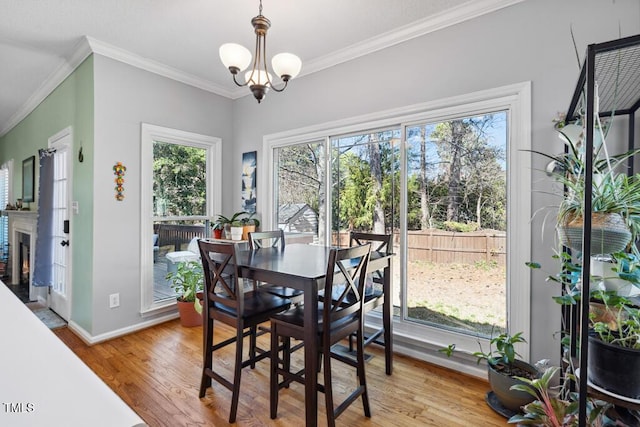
{"x": 114, "y": 300}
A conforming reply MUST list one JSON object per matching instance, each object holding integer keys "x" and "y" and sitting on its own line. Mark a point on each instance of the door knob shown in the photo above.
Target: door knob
{"x": 64, "y": 243}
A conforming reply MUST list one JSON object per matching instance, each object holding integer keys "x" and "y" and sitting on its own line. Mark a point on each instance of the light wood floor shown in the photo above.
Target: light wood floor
{"x": 157, "y": 372}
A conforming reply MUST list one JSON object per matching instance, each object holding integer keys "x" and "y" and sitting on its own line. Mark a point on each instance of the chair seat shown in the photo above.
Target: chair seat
{"x": 257, "y": 304}
{"x": 295, "y": 316}
{"x": 281, "y": 291}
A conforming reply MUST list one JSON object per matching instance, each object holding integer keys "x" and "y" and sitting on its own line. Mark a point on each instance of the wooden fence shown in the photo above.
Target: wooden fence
{"x": 448, "y": 246}
{"x": 442, "y": 246}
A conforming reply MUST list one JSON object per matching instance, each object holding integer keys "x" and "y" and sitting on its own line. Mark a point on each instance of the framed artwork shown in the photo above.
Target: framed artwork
{"x": 249, "y": 172}
{"x": 28, "y": 179}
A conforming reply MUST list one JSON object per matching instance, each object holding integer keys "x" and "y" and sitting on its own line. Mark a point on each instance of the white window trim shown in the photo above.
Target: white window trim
{"x": 213, "y": 147}
{"x": 516, "y": 99}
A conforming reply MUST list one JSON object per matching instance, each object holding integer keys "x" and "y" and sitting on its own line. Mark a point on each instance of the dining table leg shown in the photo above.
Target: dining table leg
{"x": 387, "y": 319}
{"x": 311, "y": 353}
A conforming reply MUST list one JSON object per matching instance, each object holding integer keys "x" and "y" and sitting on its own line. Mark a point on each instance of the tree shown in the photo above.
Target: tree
{"x": 179, "y": 180}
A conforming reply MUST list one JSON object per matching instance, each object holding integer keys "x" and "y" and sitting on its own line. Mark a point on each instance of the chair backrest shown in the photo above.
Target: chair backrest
{"x": 379, "y": 242}
{"x": 345, "y": 281}
{"x": 193, "y": 245}
{"x": 266, "y": 239}
{"x": 221, "y": 277}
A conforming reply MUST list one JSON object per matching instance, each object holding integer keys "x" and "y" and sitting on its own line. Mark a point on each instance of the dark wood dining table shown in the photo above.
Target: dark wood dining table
{"x": 304, "y": 267}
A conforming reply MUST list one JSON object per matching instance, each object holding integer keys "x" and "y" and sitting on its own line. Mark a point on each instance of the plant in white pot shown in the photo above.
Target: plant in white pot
{"x": 188, "y": 282}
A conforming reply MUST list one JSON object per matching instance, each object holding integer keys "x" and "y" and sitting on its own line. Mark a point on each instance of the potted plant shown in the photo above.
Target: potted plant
{"x": 228, "y": 222}
{"x": 249, "y": 225}
{"x": 614, "y": 347}
{"x": 504, "y": 369}
{"x": 188, "y": 282}
{"x": 236, "y": 230}
{"x": 551, "y": 409}
{"x": 217, "y": 228}
{"x": 615, "y": 196}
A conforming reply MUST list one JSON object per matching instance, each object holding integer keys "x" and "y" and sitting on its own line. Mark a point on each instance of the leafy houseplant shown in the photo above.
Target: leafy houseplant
{"x": 227, "y": 223}
{"x": 551, "y": 410}
{"x": 504, "y": 369}
{"x": 614, "y": 346}
{"x": 615, "y": 196}
{"x": 188, "y": 281}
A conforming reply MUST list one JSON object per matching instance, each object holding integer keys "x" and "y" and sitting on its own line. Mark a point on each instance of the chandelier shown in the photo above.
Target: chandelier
{"x": 237, "y": 58}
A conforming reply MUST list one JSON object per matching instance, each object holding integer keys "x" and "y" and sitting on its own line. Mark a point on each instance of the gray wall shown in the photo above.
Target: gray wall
{"x": 124, "y": 98}
{"x": 529, "y": 41}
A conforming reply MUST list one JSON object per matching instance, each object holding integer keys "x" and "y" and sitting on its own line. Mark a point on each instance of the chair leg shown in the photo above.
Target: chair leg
{"x": 207, "y": 357}
{"x": 252, "y": 345}
{"x": 237, "y": 374}
{"x": 273, "y": 376}
{"x": 328, "y": 387}
{"x": 361, "y": 374}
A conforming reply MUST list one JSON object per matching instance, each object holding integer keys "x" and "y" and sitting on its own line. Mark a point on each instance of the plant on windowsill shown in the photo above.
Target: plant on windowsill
{"x": 249, "y": 225}
{"x": 188, "y": 282}
{"x": 227, "y": 223}
{"x": 217, "y": 228}
{"x": 504, "y": 368}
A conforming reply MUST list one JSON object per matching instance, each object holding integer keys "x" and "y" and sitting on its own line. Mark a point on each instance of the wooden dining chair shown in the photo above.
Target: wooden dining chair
{"x": 338, "y": 319}
{"x": 274, "y": 239}
{"x": 374, "y": 296}
{"x": 226, "y": 300}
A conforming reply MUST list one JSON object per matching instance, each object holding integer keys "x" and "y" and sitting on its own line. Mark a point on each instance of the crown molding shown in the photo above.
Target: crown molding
{"x": 62, "y": 71}
{"x": 118, "y": 54}
{"x": 430, "y": 24}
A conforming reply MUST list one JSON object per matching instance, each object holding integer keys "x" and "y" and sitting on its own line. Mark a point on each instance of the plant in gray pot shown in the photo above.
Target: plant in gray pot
{"x": 614, "y": 347}
{"x": 503, "y": 370}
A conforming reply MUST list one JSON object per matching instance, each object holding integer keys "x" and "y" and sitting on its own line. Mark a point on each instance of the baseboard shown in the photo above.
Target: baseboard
{"x": 95, "y": 339}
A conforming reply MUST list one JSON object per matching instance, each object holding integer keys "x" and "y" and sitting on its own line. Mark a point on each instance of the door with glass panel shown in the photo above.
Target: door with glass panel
{"x": 365, "y": 190}
{"x": 456, "y": 224}
{"x": 60, "y": 293}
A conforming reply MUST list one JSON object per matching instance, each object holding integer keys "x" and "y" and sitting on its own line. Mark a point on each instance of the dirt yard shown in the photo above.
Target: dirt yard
{"x": 466, "y": 296}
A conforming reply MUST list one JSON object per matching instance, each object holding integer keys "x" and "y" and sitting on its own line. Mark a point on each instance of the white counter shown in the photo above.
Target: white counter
{"x": 43, "y": 383}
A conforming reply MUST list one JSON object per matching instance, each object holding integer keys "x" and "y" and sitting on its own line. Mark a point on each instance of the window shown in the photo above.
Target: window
{"x": 181, "y": 190}
{"x": 447, "y": 166}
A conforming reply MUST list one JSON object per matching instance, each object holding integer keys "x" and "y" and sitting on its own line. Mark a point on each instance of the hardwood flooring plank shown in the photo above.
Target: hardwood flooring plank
{"x": 157, "y": 372}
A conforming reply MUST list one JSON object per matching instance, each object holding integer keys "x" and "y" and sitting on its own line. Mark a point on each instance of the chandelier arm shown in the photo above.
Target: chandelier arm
{"x": 236, "y": 82}
{"x": 264, "y": 60}
{"x": 286, "y": 82}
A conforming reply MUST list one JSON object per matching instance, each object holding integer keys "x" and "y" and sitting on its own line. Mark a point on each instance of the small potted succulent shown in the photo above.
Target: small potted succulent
{"x": 188, "y": 282}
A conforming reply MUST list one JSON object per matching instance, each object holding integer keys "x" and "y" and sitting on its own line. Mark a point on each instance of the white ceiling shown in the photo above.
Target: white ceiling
{"x": 41, "y": 41}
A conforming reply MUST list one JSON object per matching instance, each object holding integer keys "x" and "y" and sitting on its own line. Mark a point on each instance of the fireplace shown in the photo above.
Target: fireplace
{"x": 24, "y": 259}
{"x": 22, "y": 241}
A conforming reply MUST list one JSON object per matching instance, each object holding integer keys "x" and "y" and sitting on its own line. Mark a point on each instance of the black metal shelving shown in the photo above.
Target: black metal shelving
{"x": 614, "y": 68}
